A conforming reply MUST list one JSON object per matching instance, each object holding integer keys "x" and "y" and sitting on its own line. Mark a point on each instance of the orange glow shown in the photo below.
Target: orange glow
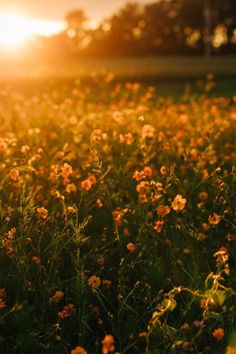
{"x": 16, "y": 29}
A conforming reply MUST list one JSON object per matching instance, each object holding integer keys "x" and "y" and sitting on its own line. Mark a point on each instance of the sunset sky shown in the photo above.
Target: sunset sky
{"x": 56, "y": 9}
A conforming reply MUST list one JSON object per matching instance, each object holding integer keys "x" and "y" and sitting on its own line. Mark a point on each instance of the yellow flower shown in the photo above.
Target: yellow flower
{"x": 179, "y": 203}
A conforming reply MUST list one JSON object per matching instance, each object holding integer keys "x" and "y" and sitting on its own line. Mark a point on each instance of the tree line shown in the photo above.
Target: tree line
{"x": 164, "y": 27}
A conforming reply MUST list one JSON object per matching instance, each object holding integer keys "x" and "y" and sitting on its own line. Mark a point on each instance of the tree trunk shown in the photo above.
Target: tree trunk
{"x": 207, "y": 28}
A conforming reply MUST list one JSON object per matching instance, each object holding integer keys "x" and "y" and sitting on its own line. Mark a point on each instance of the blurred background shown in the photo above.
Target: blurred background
{"x": 140, "y": 41}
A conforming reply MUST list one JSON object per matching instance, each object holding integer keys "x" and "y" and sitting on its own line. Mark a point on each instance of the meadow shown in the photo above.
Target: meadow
{"x": 171, "y": 76}
{"x": 117, "y": 209}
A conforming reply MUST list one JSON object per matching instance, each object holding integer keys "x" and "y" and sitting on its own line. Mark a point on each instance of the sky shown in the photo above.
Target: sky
{"x": 55, "y": 10}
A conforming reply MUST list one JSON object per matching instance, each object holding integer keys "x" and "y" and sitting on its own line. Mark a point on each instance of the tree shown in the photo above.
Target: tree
{"x": 76, "y": 20}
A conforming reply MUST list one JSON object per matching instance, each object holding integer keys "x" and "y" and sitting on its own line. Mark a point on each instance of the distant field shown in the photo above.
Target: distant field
{"x": 169, "y": 74}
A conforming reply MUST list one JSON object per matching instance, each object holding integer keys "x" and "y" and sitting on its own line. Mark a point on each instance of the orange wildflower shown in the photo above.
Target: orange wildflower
{"x": 70, "y": 188}
{"x": 66, "y": 170}
{"x": 148, "y": 171}
{"x": 2, "y": 292}
{"x": 106, "y": 283}
{"x": 99, "y": 203}
{"x": 214, "y": 219}
{"x": 126, "y": 138}
{"x": 78, "y": 350}
{"x": 117, "y": 216}
{"x": 36, "y": 260}
{"x": 126, "y": 232}
{"x": 108, "y": 344}
{"x": 25, "y": 149}
{"x": 11, "y": 233}
{"x": 179, "y": 203}
{"x": 147, "y": 131}
{"x": 230, "y": 350}
{"x": 43, "y": 213}
{"x": 163, "y": 170}
{"x": 67, "y": 311}
{"x": 100, "y": 261}
{"x": 163, "y": 210}
{"x": 92, "y": 179}
{"x": 86, "y": 185}
{"x": 14, "y": 174}
{"x": 3, "y": 145}
{"x": 201, "y": 236}
{"x": 131, "y": 247}
{"x": 158, "y": 226}
{"x": 71, "y": 210}
{"x": 222, "y": 255}
{"x": 138, "y": 175}
{"x": 218, "y": 334}
{"x": 57, "y": 296}
{"x": 143, "y": 187}
{"x": 2, "y": 304}
{"x": 94, "y": 282}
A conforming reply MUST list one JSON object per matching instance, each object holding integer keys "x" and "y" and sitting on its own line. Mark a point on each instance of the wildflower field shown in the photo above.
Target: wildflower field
{"x": 118, "y": 220}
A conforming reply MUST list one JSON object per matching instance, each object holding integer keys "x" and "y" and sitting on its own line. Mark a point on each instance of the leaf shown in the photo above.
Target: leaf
{"x": 215, "y": 315}
{"x": 219, "y": 297}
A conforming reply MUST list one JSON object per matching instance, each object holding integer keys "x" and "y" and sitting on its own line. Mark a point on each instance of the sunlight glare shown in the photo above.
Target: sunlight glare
{"x": 16, "y": 29}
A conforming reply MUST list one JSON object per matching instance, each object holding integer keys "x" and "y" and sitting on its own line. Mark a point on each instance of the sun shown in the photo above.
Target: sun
{"x": 13, "y": 29}
{"x": 16, "y": 29}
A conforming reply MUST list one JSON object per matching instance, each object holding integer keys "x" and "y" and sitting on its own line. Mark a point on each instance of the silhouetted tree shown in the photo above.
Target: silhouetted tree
{"x": 164, "y": 27}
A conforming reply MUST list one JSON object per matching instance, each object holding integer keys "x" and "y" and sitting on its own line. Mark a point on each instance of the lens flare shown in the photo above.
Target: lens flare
{"x": 16, "y": 29}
